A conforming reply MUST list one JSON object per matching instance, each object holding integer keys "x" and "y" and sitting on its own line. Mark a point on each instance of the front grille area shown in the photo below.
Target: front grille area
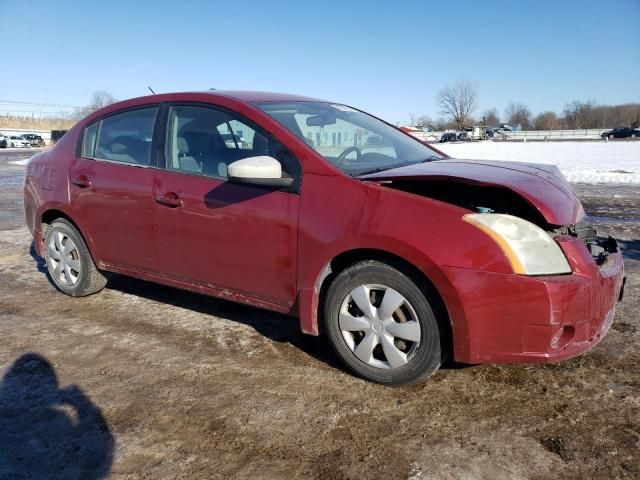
{"x": 600, "y": 247}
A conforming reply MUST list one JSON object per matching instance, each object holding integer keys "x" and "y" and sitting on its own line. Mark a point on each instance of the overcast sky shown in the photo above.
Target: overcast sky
{"x": 389, "y": 58}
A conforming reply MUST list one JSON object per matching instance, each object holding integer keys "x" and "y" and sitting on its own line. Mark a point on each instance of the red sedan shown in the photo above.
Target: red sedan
{"x": 401, "y": 255}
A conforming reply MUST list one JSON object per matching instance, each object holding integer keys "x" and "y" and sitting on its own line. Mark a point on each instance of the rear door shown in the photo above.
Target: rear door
{"x": 110, "y": 185}
{"x": 233, "y": 237}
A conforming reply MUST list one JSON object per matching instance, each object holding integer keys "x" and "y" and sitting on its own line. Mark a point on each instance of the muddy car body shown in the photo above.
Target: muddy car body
{"x": 403, "y": 256}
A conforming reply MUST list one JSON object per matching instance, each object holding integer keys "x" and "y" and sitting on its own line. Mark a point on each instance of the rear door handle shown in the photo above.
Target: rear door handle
{"x": 169, "y": 199}
{"x": 81, "y": 181}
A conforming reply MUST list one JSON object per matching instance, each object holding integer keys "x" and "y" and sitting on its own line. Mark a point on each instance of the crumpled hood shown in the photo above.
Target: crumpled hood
{"x": 543, "y": 186}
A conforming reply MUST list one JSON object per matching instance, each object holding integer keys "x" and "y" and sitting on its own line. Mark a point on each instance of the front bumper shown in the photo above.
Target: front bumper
{"x": 507, "y": 318}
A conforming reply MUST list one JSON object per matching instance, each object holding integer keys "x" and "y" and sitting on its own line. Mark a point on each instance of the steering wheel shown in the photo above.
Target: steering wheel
{"x": 342, "y": 158}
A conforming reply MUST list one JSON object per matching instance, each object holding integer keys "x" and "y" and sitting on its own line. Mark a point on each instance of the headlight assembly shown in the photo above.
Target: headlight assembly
{"x": 530, "y": 250}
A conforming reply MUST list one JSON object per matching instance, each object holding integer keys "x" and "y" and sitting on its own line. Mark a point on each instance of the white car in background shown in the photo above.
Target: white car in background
{"x": 15, "y": 141}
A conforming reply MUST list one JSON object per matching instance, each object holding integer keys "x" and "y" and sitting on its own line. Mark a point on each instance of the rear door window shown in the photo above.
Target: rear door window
{"x": 126, "y": 137}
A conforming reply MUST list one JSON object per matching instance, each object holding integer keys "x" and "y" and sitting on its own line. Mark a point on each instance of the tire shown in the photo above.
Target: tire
{"x": 69, "y": 263}
{"x": 12, "y": 145}
{"x": 374, "y": 346}
{"x": 611, "y": 137}
{"x": 633, "y": 135}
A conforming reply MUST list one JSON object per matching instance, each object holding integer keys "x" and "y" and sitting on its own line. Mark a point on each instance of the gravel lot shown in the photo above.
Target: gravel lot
{"x": 144, "y": 381}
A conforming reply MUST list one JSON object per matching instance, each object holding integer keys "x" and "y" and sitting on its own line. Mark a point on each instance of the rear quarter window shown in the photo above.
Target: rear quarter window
{"x": 89, "y": 140}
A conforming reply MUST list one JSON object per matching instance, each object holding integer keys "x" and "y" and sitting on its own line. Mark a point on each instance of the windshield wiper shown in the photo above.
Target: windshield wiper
{"x": 381, "y": 169}
{"x": 375, "y": 170}
{"x": 428, "y": 159}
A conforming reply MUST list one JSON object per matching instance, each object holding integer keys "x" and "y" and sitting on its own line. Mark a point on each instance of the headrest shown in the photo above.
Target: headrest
{"x": 118, "y": 148}
{"x": 182, "y": 145}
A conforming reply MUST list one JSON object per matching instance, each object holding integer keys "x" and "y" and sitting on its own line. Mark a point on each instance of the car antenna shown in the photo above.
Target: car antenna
{"x": 151, "y": 90}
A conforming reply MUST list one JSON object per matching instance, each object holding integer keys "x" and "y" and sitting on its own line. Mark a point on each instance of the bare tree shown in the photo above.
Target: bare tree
{"x": 491, "y": 117}
{"x": 424, "y": 121}
{"x": 518, "y": 114}
{"x": 458, "y": 102}
{"x": 546, "y": 121}
{"x": 99, "y": 99}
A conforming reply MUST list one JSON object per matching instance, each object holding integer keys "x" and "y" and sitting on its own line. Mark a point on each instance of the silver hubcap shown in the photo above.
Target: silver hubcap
{"x": 63, "y": 260}
{"x": 380, "y": 326}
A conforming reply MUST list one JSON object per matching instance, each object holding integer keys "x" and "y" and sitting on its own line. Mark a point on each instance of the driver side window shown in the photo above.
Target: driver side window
{"x": 205, "y": 140}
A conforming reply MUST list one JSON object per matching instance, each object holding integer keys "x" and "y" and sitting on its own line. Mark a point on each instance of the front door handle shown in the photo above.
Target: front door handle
{"x": 169, "y": 199}
{"x": 81, "y": 181}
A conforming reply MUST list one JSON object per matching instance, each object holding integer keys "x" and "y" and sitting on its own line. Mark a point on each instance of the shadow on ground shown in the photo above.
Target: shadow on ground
{"x": 275, "y": 326}
{"x": 630, "y": 248}
{"x": 47, "y": 431}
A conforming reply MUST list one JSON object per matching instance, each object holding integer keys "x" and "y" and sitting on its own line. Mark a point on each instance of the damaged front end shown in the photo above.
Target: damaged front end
{"x": 599, "y": 247}
{"x": 560, "y": 299}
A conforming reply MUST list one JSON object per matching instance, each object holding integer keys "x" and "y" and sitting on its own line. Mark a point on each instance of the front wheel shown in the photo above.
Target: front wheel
{"x": 69, "y": 262}
{"x": 381, "y": 325}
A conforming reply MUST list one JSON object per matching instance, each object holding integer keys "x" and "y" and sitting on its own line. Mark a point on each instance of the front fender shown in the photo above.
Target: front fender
{"x": 426, "y": 233}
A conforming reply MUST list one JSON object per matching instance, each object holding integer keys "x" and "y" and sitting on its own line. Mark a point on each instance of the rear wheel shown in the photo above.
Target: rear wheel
{"x": 69, "y": 262}
{"x": 382, "y": 325}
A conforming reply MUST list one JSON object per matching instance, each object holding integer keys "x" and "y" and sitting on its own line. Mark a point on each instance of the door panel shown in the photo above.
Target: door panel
{"x": 114, "y": 206}
{"x": 229, "y": 236}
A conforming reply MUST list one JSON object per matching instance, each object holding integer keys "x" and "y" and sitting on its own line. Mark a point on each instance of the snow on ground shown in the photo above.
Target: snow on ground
{"x": 580, "y": 162}
{"x": 20, "y": 162}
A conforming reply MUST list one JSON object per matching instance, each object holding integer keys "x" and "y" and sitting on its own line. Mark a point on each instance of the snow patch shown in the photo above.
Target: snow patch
{"x": 579, "y": 162}
{"x": 20, "y": 162}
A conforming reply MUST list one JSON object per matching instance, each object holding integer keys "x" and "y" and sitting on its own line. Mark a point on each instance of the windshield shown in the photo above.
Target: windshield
{"x": 353, "y": 141}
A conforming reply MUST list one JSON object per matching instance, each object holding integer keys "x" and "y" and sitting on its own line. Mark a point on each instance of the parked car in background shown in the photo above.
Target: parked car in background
{"x": 33, "y": 139}
{"x": 448, "y": 137}
{"x": 57, "y": 135}
{"x": 623, "y": 132}
{"x": 15, "y": 141}
{"x": 402, "y": 255}
{"x": 499, "y": 132}
{"x": 3, "y": 140}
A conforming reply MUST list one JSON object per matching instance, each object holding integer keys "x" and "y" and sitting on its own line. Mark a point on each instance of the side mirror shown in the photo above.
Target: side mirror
{"x": 262, "y": 170}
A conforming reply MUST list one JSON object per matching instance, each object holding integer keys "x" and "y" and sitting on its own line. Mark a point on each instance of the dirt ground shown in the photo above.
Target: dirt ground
{"x": 144, "y": 381}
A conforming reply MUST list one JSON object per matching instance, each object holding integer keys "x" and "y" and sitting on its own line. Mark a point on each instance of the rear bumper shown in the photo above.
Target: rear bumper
{"x": 503, "y": 318}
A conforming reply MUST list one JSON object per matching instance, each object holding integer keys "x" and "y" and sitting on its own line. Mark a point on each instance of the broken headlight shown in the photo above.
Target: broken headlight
{"x": 530, "y": 250}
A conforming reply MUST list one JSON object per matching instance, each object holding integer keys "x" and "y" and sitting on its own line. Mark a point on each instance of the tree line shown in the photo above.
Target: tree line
{"x": 458, "y": 109}
{"x": 62, "y": 121}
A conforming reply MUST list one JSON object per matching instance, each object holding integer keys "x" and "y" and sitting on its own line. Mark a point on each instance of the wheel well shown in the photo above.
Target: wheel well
{"x": 346, "y": 259}
{"x": 50, "y": 216}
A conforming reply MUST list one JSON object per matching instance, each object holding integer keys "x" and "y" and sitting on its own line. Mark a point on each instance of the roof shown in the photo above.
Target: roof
{"x": 257, "y": 96}
{"x": 243, "y": 96}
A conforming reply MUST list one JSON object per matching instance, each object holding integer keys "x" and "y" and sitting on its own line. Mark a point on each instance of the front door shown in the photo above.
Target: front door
{"x": 233, "y": 237}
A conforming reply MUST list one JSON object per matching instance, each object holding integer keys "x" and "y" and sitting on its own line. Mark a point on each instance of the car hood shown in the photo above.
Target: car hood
{"x": 543, "y": 186}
